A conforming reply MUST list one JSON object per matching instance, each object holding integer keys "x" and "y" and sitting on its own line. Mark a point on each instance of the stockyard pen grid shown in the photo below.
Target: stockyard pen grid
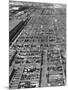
{"x": 37, "y": 44}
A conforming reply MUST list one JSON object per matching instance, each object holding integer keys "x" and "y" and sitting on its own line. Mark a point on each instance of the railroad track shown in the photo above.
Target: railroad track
{"x": 16, "y": 30}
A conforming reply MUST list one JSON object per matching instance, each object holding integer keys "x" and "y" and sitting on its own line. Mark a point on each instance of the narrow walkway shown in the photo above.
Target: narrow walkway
{"x": 44, "y": 70}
